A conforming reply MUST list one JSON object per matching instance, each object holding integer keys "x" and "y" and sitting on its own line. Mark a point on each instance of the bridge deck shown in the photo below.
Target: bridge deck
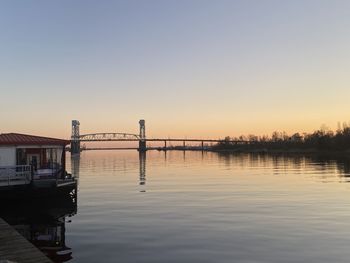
{"x": 162, "y": 140}
{"x": 16, "y": 248}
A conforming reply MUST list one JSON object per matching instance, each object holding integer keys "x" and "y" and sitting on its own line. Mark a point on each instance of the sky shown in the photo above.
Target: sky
{"x": 198, "y": 68}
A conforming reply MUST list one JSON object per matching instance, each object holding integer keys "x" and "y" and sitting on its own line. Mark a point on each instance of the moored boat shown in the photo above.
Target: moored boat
{"x": 33, "y": 166}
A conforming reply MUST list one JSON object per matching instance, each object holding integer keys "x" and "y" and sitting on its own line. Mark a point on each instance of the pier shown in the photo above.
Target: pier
{"x": 16, "y": 248}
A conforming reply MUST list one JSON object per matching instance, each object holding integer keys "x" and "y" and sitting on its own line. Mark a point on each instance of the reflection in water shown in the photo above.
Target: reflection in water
{"x": 43, "y": 223}
{"x": 283, "y": 163}
{"x": 204, "y": 207}
{"x": 278, "y": 163}
{"x": 75, "y": 164}
{"x": 342, "y": 163}
{"x": 142, "y": 169}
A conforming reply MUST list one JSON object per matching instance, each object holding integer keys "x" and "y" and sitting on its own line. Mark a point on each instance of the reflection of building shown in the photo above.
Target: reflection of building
{"x": 142, "y": 167}
{"x": 49, "y": 237}
{"x": 43, "y": 224}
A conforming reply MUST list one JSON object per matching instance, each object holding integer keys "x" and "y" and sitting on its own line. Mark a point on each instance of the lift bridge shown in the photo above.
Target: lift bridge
{"x": 77, "y": 138}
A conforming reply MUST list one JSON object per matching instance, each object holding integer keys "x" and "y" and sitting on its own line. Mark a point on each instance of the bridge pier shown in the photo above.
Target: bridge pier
{"x": 202, "y": 145}
{"x": 142, "y": 141}
{"x": 142, "y": 146}
{"x": 165, "y": 146}
{"x": 75, "y": 147}
{"x": 75, "y": 140}
{"x": 184, "y": 145}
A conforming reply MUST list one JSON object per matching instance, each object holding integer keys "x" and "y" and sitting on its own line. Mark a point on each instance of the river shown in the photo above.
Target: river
{"x": 206, "y": 207}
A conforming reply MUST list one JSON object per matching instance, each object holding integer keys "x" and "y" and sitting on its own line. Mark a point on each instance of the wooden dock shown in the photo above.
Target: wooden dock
{"x": 16, "y": 248}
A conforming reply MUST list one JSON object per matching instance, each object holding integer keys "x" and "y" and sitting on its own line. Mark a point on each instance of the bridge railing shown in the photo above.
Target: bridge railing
{"x": 108, "y": 136}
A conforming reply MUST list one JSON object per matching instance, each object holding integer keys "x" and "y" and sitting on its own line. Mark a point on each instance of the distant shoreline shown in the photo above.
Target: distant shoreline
{"x": 309, "y": 151}
{"x": 288, "y": 151}
{"x": 262, "y": 151}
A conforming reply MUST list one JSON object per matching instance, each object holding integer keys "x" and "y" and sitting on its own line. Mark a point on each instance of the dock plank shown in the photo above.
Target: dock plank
{"x": 16, "y": 248}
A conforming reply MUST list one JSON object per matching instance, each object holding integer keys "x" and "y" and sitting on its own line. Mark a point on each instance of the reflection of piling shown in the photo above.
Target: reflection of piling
{"x": 142, "y": 167}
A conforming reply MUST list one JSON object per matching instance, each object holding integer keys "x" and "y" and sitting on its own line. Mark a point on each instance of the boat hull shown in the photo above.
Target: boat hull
{"x": 47, "y": 189}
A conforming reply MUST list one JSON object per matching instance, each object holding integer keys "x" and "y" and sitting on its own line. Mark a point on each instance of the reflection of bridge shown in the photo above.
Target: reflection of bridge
{"x": 129, "y": 137}
{"x": 75, "y": 168}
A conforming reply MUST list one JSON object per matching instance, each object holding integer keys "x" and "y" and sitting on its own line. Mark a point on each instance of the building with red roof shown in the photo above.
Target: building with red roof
{"x": 38, "y": 151}
{"x": 25, "y": 139}
{"x": 26, "y": 159}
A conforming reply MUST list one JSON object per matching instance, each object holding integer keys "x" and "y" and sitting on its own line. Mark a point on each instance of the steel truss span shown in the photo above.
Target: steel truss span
{"x": 109, "y": 137}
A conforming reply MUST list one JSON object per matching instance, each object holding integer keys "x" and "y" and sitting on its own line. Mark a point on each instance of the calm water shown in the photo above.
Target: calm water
{"x": 205, "y": 207}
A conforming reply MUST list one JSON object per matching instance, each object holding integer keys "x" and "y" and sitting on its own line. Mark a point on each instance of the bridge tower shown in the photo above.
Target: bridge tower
{"x": 75, "y": 141}
{"x": 142, "y": 141}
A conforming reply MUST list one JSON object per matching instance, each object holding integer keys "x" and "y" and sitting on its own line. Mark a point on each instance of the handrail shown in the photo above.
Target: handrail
{"x": 15, "y": 175}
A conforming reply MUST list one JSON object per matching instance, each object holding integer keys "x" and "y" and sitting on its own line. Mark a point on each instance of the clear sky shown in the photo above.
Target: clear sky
{"x": 189, "y": 68}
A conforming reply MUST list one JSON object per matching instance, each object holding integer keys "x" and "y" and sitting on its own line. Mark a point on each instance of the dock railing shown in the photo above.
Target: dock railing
{"x": 15, "y": 175}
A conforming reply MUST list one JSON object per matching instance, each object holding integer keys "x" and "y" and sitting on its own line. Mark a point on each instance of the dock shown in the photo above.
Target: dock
{"x": 15, "y": 248}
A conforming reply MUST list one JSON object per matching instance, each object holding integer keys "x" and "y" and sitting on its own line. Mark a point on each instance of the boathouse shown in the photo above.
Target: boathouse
{"x": 32, "y": 160}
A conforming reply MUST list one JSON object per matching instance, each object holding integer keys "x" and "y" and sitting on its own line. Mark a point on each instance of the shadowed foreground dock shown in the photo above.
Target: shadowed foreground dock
{"x": 16, "y": 248}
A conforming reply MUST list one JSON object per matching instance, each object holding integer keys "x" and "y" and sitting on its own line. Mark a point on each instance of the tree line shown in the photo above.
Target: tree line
{"x": 323, "y": 139}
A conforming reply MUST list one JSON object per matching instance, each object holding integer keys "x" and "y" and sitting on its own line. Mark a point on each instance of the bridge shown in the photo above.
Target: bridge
{"x": 77, "y": 138}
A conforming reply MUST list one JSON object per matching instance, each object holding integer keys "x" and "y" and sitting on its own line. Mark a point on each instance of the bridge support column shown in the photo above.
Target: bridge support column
{"x": 75, "y": 140}
{"x": 165, "y": 146}
{"x": 184, "y": 145}
{"x": 202, "y": 146}
{"x": 142, "y": 146}
{"x": 142, "y": 141}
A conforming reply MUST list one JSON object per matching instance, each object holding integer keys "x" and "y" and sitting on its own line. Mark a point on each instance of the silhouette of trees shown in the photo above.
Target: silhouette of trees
{"x": 323, "y": 139}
